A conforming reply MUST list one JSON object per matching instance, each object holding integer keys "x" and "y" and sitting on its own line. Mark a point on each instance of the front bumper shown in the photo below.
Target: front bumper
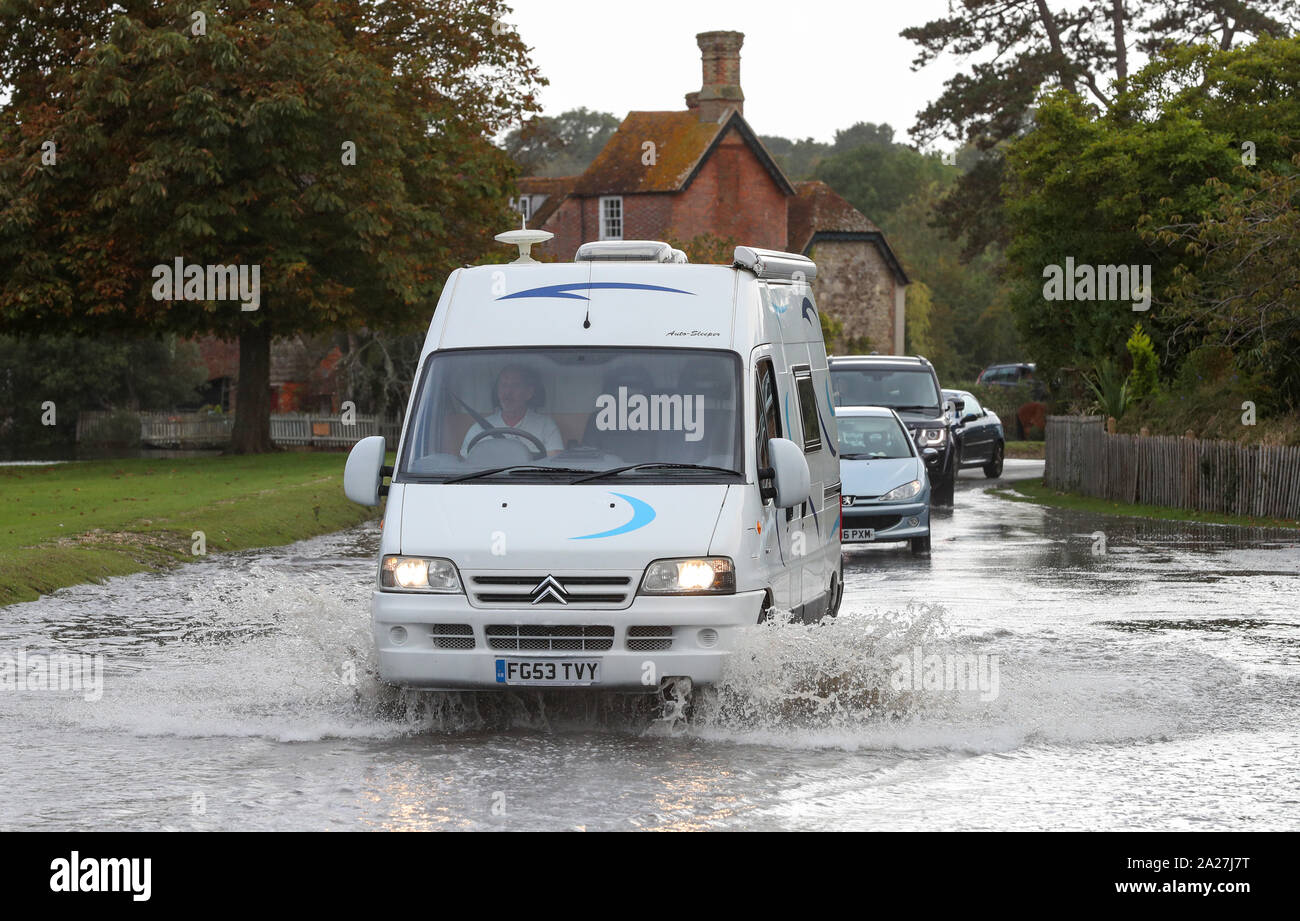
{"x": 420, "y": 661}
{"x": 889, "y": 520}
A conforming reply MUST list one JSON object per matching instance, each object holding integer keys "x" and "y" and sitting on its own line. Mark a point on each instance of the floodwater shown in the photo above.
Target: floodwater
{"x": 1155, "y": 685}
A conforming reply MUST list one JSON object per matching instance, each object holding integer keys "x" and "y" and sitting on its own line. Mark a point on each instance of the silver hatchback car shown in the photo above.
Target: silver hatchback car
{"x": 885, "y": 488}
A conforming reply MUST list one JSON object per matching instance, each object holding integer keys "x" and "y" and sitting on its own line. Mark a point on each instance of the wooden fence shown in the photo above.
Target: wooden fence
{"x": 1262, "y": 481}
{"x": 207, "y": 430}
{"x": 329, "y": 431}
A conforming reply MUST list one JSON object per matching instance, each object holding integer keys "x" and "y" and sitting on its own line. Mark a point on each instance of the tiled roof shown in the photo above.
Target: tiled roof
{"x": 555, "y": 188}
{"x": 680, "y": 140}
{"x": 818, "y": 207}
{"x": 817, "y": 210}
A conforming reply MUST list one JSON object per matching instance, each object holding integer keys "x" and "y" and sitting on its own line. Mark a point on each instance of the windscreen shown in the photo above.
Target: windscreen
{"x": 574, "y": 409}
{"x": 897, "y": 389}
{"x": 871, "y": 437}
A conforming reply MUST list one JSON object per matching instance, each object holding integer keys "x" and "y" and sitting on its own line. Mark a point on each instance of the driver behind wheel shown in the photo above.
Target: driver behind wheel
{"x": 518, "y": 390}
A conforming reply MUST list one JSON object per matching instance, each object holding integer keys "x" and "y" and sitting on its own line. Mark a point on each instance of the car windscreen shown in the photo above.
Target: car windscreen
{"x": 561, "y": 411}
{"x": 872, "y": 437}
{"x": 896, "y": 388}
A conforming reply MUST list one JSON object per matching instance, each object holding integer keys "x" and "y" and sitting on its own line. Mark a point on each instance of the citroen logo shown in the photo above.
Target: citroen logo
{"x": 549, "y": 591}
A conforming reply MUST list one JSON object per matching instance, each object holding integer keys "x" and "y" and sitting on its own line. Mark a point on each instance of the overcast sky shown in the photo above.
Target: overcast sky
{"x": 807, "y": 68}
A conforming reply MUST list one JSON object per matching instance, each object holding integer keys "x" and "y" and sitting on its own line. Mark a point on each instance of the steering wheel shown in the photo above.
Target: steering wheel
{"x": 504, "y": 432}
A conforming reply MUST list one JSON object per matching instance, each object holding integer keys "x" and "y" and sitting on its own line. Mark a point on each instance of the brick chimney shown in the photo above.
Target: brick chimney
{"x": 720, "y": 52}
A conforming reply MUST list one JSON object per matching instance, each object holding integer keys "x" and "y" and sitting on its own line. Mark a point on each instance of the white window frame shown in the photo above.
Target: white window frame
{"x": 604, "y": 220}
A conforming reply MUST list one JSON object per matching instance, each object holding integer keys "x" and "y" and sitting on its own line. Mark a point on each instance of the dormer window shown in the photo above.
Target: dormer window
{"x": 611, "y": 217}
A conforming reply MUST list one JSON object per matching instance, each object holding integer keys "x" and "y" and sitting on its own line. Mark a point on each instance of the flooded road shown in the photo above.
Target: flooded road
{"x": 1155, "y": 685}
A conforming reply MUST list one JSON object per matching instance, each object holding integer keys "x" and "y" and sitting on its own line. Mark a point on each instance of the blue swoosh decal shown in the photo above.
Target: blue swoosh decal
{"x": 829, "y": 402}
{"x": 817, "y": 524}
{"x": 642, "y": 515}
{"x": 567, "y": 291}
{"x": 809, "y": 309}
{"x": 788, "y": 430}
{"x": 825, "y": 437}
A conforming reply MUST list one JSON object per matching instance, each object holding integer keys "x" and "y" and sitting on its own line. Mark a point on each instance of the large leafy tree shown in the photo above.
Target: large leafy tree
{"x": 1195, "y": 124}
{"x": 1021, "y": 48}
{"x": 235, "y": 146}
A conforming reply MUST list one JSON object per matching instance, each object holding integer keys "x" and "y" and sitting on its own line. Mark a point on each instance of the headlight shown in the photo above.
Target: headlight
{"x": 906, "y": 491}
{"x": 928, "y": 437}
{"x": 419, "y": 574}
{"x": 711, "y": 575}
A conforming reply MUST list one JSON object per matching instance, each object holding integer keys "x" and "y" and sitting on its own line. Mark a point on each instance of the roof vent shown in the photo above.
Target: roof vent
{"x": 525, "y": 239}
{"x": 628, "y": 251}
{"x": 771, "y": 264}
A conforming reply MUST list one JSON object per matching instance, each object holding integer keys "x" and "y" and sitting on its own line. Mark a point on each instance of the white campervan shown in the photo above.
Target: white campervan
{"x": 607, "y": 467}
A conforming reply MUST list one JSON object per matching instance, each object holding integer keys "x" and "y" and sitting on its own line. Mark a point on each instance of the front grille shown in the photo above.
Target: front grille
{"x": 563, "y": 638}
{"x": 876, "y": 522}
{"x": 452, "y": 636}
{"x": 649, "y": 639}
{"x": 605, "y": 591}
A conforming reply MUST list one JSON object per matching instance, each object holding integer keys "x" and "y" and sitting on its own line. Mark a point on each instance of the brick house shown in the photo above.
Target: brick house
{"x": 681, "y": 175}
{"x": 304, "y": 374}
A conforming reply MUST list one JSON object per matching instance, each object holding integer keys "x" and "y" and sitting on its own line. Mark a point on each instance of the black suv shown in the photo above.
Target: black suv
{"x": 909, "y": 386}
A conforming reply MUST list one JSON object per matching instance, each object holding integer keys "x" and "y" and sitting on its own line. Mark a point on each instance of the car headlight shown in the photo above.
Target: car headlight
{"x": 419, "y": 574}
{"x": 710, "y": 575}
{"x": 906, "y": 491}
{"x": 928, "y": 437}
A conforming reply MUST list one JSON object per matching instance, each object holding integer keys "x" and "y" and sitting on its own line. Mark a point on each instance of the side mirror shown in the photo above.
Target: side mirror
{"x": 929, "y": 454}
{"x": 790, "y": 474}
{"x": 365, "y": 470}
{"x": 970, "y": 417}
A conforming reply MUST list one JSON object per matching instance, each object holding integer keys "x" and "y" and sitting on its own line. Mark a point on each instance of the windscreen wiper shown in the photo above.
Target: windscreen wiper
{"x": 492, "y": 471}
{"x": 615, "y": 471}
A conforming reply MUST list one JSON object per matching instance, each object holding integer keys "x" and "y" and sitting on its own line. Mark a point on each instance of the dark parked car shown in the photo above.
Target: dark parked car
{"x": 909, "y": 386}
{"x": 1009, "y": 375}
{"x": 978, "y": 437}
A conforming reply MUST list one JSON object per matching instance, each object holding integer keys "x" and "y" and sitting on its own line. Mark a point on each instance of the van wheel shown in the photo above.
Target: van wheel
{"x": 921, "y": 544}
{"x": 765, "y": 612}
{"x": 993, "y": 469}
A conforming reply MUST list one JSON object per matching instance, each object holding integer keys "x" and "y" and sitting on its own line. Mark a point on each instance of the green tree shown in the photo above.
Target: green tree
{"x": 80, "y": 372}
{"x": 1021, "y": 48}
{"x": 1142, "y": 380}
{"x": 1094, "y": 186}
{"x": 1240, "y": 287}
{"x": 875, "y": 174}
{"x": 561, "y": 145}
{"x": 230, "y": 147}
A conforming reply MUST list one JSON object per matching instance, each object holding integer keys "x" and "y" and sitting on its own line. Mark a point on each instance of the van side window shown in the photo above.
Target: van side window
{"x": 812, "y": 432}
{"x": 769, "y": 412}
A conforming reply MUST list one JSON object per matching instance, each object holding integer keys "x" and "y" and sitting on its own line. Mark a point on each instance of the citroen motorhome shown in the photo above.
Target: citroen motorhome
{"x": 607, "y": 467}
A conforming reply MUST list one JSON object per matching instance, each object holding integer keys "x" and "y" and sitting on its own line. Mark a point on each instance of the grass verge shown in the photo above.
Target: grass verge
{"x": 1035, "y": 491}
{"x": 83, "y": 522}
{"x": 1026, "y": 450}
